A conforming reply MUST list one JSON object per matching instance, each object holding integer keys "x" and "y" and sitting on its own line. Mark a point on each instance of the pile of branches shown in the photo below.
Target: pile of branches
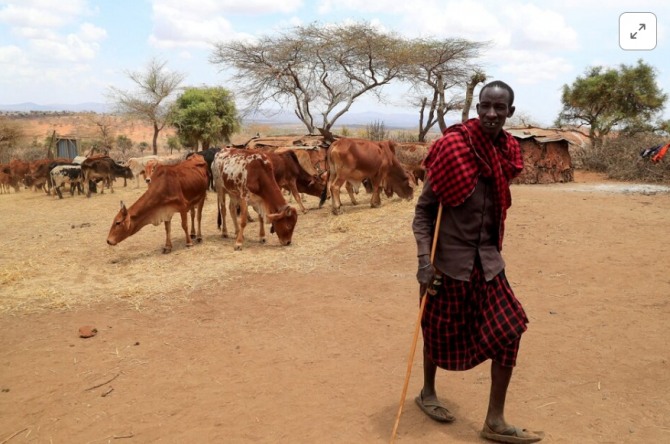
{"x": 619, "y": 157}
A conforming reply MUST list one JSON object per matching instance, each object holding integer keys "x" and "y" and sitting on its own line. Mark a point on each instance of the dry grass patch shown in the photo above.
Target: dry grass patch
{"x": 57, "y": 257}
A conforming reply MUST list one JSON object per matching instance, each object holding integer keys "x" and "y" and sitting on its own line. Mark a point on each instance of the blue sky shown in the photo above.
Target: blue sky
{"x": 72, "y": 51}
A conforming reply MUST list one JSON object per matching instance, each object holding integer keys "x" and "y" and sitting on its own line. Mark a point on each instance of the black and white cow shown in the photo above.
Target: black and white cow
{"x": 66, "y": 174}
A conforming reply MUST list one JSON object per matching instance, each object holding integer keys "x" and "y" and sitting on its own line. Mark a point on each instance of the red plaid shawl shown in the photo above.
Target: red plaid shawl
{"x": 455, "y": 161}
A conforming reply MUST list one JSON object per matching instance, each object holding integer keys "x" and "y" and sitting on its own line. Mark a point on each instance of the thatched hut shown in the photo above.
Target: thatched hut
{"x": 546, "y": 155}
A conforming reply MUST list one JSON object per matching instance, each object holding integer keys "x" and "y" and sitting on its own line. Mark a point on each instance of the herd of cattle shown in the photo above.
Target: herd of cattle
{"x": 242, "y": 175}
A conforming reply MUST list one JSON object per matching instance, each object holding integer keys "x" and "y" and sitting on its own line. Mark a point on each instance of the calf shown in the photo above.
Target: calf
{"x": 66, "y": 174}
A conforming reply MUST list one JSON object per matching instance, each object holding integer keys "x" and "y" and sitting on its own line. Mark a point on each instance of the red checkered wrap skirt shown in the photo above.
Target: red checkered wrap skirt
{"x": 466, "y": 323}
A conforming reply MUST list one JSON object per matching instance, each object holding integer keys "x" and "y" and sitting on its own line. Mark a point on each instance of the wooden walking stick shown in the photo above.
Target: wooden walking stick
{"x": 416, "y": 328}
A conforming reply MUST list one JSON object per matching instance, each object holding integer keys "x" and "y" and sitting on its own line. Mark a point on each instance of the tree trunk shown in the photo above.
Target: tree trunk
{"x": 476, "y": 79}
{"x": 155, "y": 141}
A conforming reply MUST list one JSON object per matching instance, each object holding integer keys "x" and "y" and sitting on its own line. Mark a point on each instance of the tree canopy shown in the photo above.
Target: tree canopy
{"x": 442, "y": 74}
{"x": 205, "y": 115}
{"x": 608, "y": 98}
{"x": 151, "y": 100}
{"x": 320, "y": 71}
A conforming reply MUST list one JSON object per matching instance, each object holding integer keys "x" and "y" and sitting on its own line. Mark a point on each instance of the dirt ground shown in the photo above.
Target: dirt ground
{"x": 309, "y": 343}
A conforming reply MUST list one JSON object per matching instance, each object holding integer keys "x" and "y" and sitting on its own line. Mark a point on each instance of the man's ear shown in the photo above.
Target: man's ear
{"x": 511, "y": 111}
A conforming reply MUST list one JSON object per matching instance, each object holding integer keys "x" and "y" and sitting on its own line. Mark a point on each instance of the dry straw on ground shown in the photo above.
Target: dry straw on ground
{"x": 56, "y": 256}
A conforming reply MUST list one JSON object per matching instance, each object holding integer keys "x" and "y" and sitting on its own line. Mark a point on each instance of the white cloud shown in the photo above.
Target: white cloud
{"x": 42, "y": 13}
{"x": 528, "y": 67}
{"x": 38, "y": 24}
{"x": 540, "y": 29}
{"x": 386, "y": 6}
{"x": 181, "y": 24}
{"x": 92, "y": 32}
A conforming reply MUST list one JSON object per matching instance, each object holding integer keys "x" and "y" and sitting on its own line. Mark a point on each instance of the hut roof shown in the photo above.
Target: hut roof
{"x": 543, "y": 135}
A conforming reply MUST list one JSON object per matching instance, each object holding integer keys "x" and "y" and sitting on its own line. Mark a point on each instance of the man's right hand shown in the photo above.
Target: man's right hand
{"x": 426, "y": 271}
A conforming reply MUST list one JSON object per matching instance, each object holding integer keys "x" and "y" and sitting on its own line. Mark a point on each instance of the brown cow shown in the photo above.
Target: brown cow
{"x": 105, "y": 168}
{"x": 7, "y": 179}
{"x": 137, "y": 166}
{"x": 411, "y": 156}
{"x": 350, "y": 161}
{"x": 290, "y": 176}
{"x": 39, "y": 176}
{"x": 19, "y": 169}
{"x": 248, "y": 174}
{"x": 174, "y": 189}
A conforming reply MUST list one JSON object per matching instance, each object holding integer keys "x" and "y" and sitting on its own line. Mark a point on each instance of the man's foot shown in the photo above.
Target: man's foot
{"x": 511, "y": 434}
{"x": 432, "y": 407}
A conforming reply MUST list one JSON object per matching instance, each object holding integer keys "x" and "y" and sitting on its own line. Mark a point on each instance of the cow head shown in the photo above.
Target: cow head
{"x": 149, "y": 170}
{"x": 120, "y": 227}
{"x": 283, "y": 223}
{"x": 28, "y": 180}
{"x": 127, "y": 173}
{"x": 400, "y": 182}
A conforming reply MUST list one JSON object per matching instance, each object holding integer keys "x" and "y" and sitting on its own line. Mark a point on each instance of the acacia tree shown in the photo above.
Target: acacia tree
{"x": 205, "y": 116}
{"x": 605, "y": 99}
{"x": 151, "y": 100}
{"x": 438, "y": 71}
{"x": 105, "y": 125}
{"x": 319, "y": 70}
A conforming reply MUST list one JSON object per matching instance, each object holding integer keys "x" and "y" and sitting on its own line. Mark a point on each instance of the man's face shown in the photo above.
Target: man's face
{"x": 493, "y": 109}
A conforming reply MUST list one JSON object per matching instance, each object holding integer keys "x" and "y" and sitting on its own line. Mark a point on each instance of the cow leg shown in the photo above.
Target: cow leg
{"x": 232, "y": 207}
{"x": 375, "y": 201}
{"x": 244, "y": 211}
{"x": 184, "y": 226}
{"x": 296, "y": 195}
{"x": 221, "y": 200}
{"x": 335, "y": 195}
{"x": 261, "y": 227}
{"x": 350, "y": 190}
{"x": 168, "y": 243}
{"x": 192, "y": 213}
{"x": 57, "y": 189}
{"x": 198, "y": 235}
{"x": 87, "y": 185}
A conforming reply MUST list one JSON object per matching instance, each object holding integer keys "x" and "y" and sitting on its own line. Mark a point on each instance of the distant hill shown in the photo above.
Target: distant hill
{"x": 77, "y": 108}
{"x": 390, "y": 120}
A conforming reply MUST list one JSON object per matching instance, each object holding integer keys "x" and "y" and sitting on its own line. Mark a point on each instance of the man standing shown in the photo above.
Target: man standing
{"x": 471, "y": 314}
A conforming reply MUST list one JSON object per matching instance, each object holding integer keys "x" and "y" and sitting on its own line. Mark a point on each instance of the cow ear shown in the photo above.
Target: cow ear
{"x": 124, "y": 211}
{"x": 288, "y": 211}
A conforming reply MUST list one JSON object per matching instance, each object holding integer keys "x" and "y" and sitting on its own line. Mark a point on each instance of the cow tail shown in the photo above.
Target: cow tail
{"x": 219, "y": 222}
{"x": 324, "y": 193}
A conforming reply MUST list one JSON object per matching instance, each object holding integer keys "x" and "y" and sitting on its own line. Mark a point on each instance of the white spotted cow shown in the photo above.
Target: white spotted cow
{"x": 66, "y": 174}
{"x": 248, "y": 176}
